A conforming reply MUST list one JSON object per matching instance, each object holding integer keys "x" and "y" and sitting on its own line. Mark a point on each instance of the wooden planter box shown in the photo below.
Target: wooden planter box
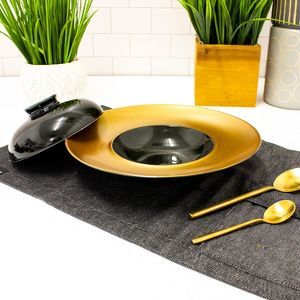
{"x": 226, "y": 75}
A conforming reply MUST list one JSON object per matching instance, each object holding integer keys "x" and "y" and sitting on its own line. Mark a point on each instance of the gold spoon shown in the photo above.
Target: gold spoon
{"x": 286, "y": 182}
{"x": 275, "y": 214}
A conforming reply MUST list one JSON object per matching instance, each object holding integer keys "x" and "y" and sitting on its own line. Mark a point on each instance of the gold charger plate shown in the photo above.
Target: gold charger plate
{"x": 234, "y": 140}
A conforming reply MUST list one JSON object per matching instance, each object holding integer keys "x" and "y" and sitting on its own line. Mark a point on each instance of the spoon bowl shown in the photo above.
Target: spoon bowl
{"x": 288, "y": 181}
{"x": 279, "y": 212}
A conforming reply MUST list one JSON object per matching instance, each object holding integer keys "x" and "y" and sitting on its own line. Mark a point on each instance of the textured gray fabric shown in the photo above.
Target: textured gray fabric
{"x": 152, "y": 213}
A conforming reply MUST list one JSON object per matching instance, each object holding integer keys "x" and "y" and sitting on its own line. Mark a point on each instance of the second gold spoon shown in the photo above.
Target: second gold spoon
{"x": 277, "y": 213}
{"x": 286, "y": 182}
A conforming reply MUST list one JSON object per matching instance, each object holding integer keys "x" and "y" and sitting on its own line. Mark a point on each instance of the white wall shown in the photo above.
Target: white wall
{"x": 132, "y": 37}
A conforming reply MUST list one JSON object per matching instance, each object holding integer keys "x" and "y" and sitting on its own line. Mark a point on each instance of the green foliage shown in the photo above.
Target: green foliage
{"x": 236, "y": 22}
{"x": 46, "y": 31}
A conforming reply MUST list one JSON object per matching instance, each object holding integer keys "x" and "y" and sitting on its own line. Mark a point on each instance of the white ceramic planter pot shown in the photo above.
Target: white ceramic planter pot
{"x": 68, "y": 81}
{"x": 282, "y": 87}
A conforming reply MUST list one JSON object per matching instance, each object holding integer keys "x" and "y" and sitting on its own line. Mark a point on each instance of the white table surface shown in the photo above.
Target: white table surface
{"x": 46, "y": 254}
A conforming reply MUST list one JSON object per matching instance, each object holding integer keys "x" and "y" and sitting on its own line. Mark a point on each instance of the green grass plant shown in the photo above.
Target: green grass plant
{"x": 46, "y": 31}
{"x": 237, "y": 22}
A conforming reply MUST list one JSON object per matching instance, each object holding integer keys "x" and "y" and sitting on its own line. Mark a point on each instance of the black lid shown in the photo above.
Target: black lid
{"x": 50, "y": 123}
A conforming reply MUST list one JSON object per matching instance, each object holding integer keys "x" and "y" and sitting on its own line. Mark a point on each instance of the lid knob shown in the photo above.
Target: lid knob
{"x": 42, "y": 108}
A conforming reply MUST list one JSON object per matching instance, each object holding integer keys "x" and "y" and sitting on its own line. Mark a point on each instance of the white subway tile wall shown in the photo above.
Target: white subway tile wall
{"x": 133, "y": 37}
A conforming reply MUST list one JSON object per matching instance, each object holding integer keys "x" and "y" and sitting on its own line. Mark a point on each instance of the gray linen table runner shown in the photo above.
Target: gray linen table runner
{"x": 152, "y": 213}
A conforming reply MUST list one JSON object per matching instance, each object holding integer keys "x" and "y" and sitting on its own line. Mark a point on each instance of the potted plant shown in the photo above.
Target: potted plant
{"x": 227, "y": 54}
{"x": 282, "y": 84}
{"x": 48, "y": 34}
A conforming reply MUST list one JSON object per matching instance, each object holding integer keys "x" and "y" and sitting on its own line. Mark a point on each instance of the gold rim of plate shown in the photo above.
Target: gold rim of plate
{"x": 234, "y": 140}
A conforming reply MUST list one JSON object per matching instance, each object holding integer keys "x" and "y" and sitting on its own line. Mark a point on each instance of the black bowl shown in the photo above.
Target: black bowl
{"x": 162, "y": 145}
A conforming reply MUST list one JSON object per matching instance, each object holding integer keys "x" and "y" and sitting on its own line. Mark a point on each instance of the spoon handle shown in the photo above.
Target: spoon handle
{"x": 229, "y": 202}
{"x": 213, "y": 235}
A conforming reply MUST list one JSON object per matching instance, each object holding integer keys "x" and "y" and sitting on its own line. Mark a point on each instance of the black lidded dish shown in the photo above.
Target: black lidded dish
{"x": 51, "y": 122}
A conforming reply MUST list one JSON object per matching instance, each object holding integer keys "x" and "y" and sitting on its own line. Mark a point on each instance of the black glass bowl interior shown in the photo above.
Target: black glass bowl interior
{"x": 163, "y": 145}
